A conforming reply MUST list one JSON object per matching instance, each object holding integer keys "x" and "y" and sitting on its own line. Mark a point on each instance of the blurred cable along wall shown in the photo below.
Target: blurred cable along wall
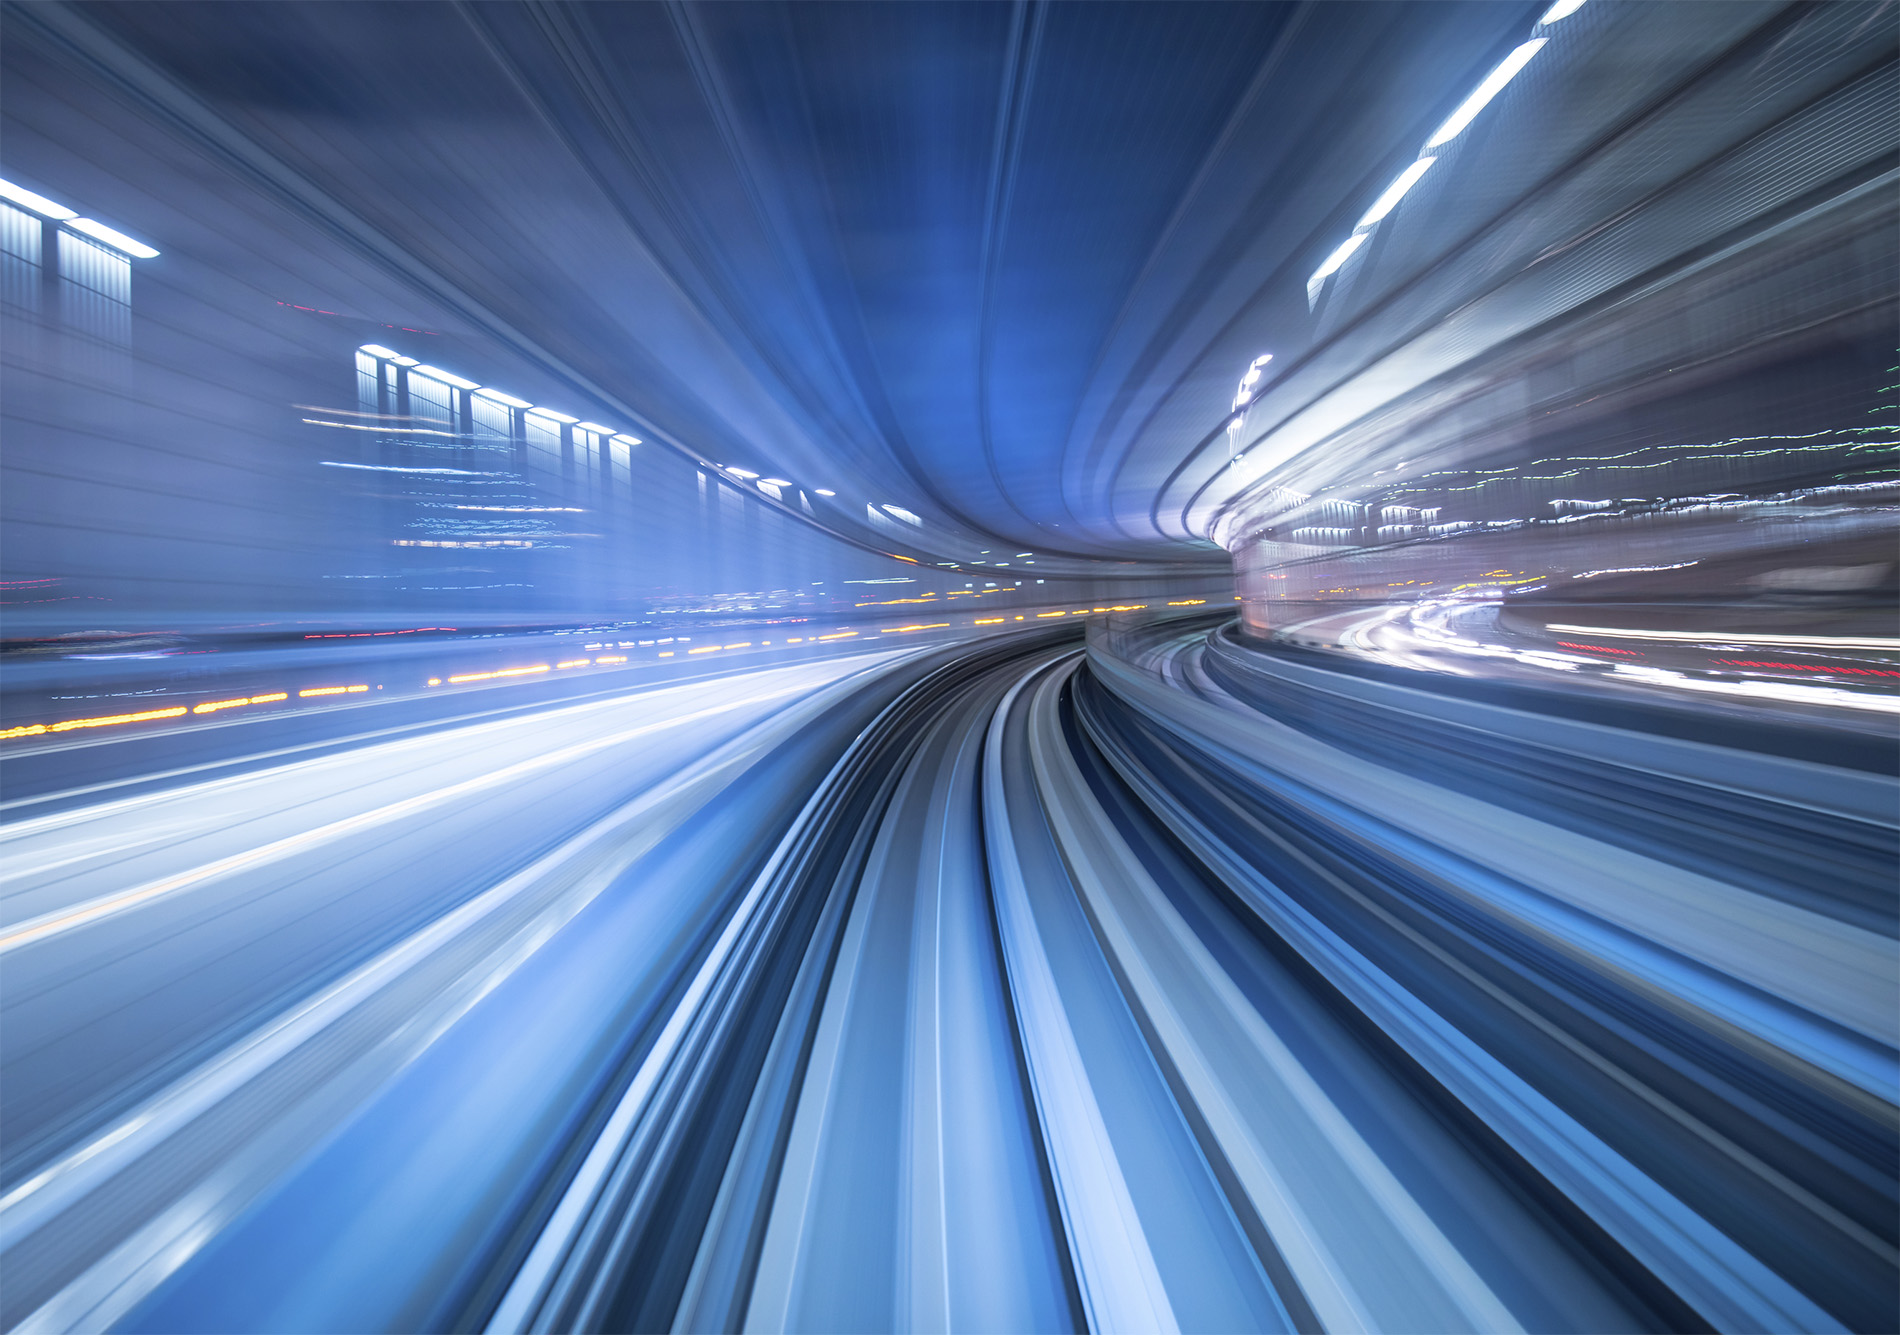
{"x": 1678, "y": 349}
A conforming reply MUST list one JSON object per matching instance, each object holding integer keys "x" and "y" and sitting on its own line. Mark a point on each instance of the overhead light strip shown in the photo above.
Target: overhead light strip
{"x": 1453, "y": 125}
{"x": 490, "y": 395}
{"x": 35, "y": 202}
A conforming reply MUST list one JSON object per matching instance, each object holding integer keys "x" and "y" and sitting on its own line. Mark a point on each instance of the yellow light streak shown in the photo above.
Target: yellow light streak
{"x": 503, "y": 672}
{"x": 333, "y": 690}
{"x": 989, "y": 621}
{"x": 706, "y": 649}
{"x": 841, "y": 635}
{"x": 1043, "y": 615}
{"x": 615, "y": 658}
{"x": 78, "y": 915}
{"x": 106, "y": 721}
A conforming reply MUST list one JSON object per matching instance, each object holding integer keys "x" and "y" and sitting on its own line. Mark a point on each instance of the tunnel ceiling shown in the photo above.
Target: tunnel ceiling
{"x": 999, "y": 266}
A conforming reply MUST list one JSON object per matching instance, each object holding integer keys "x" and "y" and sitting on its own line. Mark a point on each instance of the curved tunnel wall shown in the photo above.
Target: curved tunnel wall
{"x": 1678, "y": 348}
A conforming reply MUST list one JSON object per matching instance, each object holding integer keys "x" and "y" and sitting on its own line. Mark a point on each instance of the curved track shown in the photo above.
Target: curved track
{"x": 1174, "y": 986}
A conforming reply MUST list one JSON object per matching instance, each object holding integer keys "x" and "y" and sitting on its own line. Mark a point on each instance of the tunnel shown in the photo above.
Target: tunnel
{"x": 534, "y": 812}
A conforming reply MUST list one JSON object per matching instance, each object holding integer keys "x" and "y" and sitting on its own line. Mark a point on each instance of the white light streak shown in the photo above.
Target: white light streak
{"x": 1563, "y": 9}
{"x": 773, "y": 482}
{"x": 1630, "y": 570}
{"x": 506, "y": 400}
{"x": 820, "y": 491}
{"x": 378, "y": 350}
{"x": 40, "y": 204}
{"x": 1385, "y": 203}
{"x": 551, "y": 415}
{"x": 391, "y": 468}
{"x": 742, "y": 472}
{"x": 596, "y": 428}
{"x": 1724, "y": 637}
{"x": 626, "y": 440}
{"x": 1481, "y": 96}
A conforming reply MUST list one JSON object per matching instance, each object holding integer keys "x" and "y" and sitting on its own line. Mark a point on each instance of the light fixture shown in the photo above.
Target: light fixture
{"x": 496, "y": 396}
{"x": 551, "y": 415}
{"x": 118, "y": 240}
{"x": 448, "y": 378}
{"x": 1385, "y": 203}
{"x": 1481, "y": 96}
{"x": 596, "y": 428}
{"x": 742, "y": 472}
{"x": 40, "y": 204}
{"x": 626, "y": 440}
{"x": 820, "y": 491}
{"x": 1563, "y": 9}
{"x": 774, "y": 482}
{"x": 378, "y": 350}
{"x": 1337, "y": 258}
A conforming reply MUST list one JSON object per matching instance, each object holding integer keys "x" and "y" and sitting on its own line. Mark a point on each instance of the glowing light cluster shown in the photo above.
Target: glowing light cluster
{"x": 492, "y": 395}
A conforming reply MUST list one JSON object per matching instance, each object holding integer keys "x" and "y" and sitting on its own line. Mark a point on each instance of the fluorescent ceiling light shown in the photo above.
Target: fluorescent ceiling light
{"x": 118, "y": 240}
{"x": 446, "y": 377}
{"x": 626, "y": 440}
{"x": 774, "y": 482}
{"x": 378, "y": 350}
{"x": 596, "y": 428}
{"x": 551, "y": 415}
{"x": 496, "y": 396}
{"x": 1385, "y": 203}
{"x": 742, "y": 472}
{"x": 820, "y": 491}
{"x": 1481, "y": 95}
{"x": 40, "y": 204}
{"x": 405, "y": 361}
{"x": 1338, "y": 257}
{"x": 1563, "y": 9}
